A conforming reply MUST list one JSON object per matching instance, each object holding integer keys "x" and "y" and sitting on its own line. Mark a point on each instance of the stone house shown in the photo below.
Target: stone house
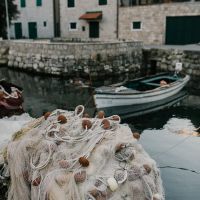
{"x": 89, "y": 19}
{"x": 36, "y": 19}
{"x": 148, "y": 21}
{"x": 160, "y": 21}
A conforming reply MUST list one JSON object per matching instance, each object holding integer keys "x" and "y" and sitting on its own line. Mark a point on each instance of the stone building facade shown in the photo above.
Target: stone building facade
{"x": 88, "y": 19}
{"x": 148, "y": 23}
{"x": 36, "y": 19}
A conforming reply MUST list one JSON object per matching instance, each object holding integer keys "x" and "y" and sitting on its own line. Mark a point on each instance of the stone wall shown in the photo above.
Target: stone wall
{"x": 167, "y": 58}
{"x": 4, "y": 48}
{"x": 153, "y": 20}
{"x": 67, "y": 59}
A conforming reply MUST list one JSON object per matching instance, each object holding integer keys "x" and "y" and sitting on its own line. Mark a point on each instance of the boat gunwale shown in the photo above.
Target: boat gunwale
{"x": 137, "y": 92}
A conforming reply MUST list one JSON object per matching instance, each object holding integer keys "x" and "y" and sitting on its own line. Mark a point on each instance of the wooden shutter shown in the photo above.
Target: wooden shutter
{"x": 39, "y": 2}
{"x": 23, "y": 3}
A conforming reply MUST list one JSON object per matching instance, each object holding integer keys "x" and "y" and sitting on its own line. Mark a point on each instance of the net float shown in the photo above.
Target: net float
{"x": 101, "y": 114}
{"x": 63, "y": 164}
{"x": 36, "y": 181}
{"x": 136, "y": 135}
{"x": 80, "y": 177}
{"x": 147, "y": 168}
{"x": 106, "y": 124}
{"x": 86, "y": 124}
{"x": 84, "y": 161}
{"x": 46, "y": 115}
{"x": 62, "y": 119}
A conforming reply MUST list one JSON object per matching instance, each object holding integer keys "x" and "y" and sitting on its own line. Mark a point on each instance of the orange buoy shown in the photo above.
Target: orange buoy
{"x": 101, "y": 114}
{"x": 84, "y": 161}
{"x": 86, "y": 115}
{"x": 106, "y": 124}
{"x": 136, "y": 135}
{"x": 163, "y": 82}
{"x": 62, "y": 119}
{"x": 80, "y": 177}
{"x": 37, "y": 181}
{"x": 86, "y": 124}
{"x": 63, "y": 164}
{"x": 115, "y": 118}
{"x": 119, "y": 147}
{"x": 46, "y": 115}
{"x": 147, "y": 168}
{"x": 94, "y": 193}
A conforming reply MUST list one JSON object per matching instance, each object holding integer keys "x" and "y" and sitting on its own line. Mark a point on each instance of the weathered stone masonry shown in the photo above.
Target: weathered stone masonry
{"x": 97, "y": 59}
{"x": 167, "y": 58}
{"x": 153, "y": 20}
{"x": 4, "y": 48}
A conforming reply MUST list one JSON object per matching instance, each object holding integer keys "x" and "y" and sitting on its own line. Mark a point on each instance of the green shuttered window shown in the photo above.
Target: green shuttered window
{"x": 102, "y": 2}
{"x": 23, "y": 3}
{"x": 71, "y": 3}
{"x": 39, "y": 2}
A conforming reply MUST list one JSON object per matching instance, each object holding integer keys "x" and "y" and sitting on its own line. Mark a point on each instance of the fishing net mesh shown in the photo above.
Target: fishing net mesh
{"x": 77, "y": 158}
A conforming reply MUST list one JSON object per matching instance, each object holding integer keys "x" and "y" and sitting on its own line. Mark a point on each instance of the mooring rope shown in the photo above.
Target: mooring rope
{"x": 180, "y": 168}
{"x": 172, "y": 147}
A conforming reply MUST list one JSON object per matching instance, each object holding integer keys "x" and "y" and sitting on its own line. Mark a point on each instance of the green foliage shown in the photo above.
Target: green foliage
{"x": 13, "y": 12}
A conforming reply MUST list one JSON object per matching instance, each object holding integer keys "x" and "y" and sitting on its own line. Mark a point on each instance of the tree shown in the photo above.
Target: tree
{"x": 13, "y": 12}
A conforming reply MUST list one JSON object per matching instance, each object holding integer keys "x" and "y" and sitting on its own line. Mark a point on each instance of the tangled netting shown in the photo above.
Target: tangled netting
{"x": 67, "y": 156}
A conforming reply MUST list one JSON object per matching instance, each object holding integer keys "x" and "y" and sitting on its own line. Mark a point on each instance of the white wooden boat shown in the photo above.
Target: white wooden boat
{"x": 140, "y": 91}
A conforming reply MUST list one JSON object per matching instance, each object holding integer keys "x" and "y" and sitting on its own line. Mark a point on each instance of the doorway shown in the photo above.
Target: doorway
{"x": 94, "y": 29}
{"x": 32, "y": 29}
{"x": 18, "y": 30}
{"x": 182, "y": 30}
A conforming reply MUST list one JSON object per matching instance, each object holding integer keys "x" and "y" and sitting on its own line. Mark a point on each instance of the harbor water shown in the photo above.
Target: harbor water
{"x": 176, "y": 154}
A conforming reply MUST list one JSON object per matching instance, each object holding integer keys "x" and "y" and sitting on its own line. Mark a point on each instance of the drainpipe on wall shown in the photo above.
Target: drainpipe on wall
{"x": 7, "y": 20}
{"x": 117, "y": 20}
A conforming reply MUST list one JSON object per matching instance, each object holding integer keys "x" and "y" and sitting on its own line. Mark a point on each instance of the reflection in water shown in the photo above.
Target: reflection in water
{"x": 46, "y": 93}
{"x": 43, "y": 93}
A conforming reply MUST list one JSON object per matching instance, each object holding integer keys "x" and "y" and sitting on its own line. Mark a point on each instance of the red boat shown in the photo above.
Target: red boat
{"x": 11, "y": 99}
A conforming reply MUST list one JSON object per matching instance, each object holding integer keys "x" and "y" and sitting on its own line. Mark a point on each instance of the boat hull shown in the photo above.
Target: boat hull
{"x": 134, "y": 110}
{"x": 103, "y": 100}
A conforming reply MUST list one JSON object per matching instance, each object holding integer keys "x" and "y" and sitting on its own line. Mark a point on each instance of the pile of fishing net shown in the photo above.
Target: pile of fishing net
{"x": 65, "y": 155}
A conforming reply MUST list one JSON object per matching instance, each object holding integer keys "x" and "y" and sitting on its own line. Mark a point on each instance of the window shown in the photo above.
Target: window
{"x": 83, "y": 28}
{"x": 39, "y": 2}
{"x": 71, "y": 3}
{"x": 136, "y": 25}
{"x": 23, "y": 3}
{"x": 102, "y": 2}
{"x": 73, "y": 26}
{"x": 44, "y": 23}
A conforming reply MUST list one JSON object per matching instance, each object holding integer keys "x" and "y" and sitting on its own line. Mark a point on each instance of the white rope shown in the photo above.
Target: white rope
{"x": 77, "y": 109}
{"x": 42, "y": 165}
{"x": 9, "y": 95}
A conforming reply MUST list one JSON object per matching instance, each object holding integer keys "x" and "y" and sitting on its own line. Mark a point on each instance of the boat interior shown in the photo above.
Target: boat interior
{"x": 151, "y": 83}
